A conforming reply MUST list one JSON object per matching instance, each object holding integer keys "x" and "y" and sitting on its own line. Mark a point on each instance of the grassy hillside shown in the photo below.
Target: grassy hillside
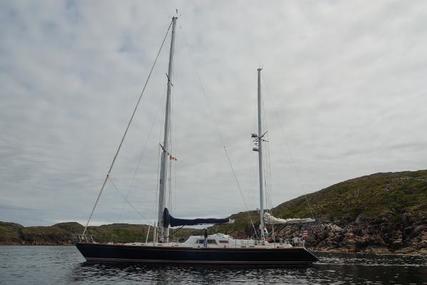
{"x": 375, "y": 196}
{"x": 380, "y": 194}
{"x": 378, "y": 213}
{"x": 10, "y": 233}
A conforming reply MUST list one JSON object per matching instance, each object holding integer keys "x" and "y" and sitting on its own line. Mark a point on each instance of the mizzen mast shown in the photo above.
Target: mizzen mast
{"x": 164, "y": 231}
{"x": 258, "y": 139}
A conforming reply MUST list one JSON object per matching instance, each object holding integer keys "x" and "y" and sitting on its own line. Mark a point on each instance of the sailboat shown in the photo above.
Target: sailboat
{"x": 208, "y": 249}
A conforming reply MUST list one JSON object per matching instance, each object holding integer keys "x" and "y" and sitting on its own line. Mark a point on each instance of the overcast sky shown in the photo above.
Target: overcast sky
{"x": 343, "y": 84}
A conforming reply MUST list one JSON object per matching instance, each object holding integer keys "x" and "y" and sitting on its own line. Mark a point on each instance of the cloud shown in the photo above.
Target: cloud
{"x": 342, "y": 84}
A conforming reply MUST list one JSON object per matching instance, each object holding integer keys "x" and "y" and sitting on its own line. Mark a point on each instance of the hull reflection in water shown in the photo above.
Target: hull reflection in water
{"x": 185, "y": 255}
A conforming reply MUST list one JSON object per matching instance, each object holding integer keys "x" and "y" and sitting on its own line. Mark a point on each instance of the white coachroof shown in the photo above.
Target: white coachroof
{"x": 269, "y": 219}
{"x": 226, "y": 241}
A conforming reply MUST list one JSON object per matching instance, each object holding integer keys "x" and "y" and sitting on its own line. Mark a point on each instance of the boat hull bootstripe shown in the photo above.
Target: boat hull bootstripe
{"x": 121, "y": 260}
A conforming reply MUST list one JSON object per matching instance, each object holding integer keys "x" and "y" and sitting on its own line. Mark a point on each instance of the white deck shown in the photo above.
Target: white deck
{"x": 218, "y": 241}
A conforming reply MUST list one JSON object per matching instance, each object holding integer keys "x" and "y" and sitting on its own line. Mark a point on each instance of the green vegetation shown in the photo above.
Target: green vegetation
{"x": 9, "y": 233}
{"x": 373, "y": 196}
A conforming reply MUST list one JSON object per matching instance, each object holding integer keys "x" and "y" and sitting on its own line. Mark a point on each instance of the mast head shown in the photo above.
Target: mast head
{"x": 259, "y": 69}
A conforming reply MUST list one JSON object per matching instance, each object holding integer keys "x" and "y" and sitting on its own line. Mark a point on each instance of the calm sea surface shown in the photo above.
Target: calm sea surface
{"x": 65, "y": 265}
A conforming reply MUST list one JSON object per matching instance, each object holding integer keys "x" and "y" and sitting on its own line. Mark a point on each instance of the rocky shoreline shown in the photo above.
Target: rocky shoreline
{"x": 368, "y": 236}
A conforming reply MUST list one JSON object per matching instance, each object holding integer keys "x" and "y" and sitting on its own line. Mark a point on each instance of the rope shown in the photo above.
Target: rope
{"x": 125, "y": 133}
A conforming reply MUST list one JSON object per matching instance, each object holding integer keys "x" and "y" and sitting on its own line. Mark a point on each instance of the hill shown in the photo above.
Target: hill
{"x": 379, "y": 213}
{"x": 379, "y": 194}
{"x": 382, "y": 212}
{"x": 66, "y": 233}
{"x": 9, "y": 233}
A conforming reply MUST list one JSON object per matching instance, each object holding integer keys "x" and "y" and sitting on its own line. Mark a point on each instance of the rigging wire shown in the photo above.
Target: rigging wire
{"x": 172, "y": 172}
{"x": 135, "y": 171}
{"x": 228, "y": 158}
{"x": 141, "y": 155}
{"x": 293, "y": 162}
{"x": 125, "y": 198}
{"x": 267, "y": 180}
{"x": 125, "y": 133}
{"x": 157, "y": 189}
{"x": 267, "y": 158}
{"x": 131, "y": 185}
{"x": 270, "y": 175}
{"x": 171, "y": 153}
{"x": 169, "y": 198}
{"x": 240, "y": 190}
{"x": 222, "y": 141}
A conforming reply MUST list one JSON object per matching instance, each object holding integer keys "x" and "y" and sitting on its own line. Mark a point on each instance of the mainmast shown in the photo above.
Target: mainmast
{"x": 258, "y": 142}
{"x": 164, "y": 231}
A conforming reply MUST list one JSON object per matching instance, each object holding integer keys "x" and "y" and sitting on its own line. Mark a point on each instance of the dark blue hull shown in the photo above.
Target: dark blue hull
{"x": 94, "y": 252}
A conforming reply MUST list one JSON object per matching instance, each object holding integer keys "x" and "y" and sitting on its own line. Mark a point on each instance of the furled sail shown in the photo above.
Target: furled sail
{"x": 168, "y": 220}
{"x": 269, "y": 219}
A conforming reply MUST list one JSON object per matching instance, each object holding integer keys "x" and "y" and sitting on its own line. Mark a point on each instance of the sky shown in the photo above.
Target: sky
{"x": 343, "y": 87}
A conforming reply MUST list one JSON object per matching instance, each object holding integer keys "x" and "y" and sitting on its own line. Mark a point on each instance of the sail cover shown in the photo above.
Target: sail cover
{"x": 168, "y": 220}
{"x": 269, "y": 219}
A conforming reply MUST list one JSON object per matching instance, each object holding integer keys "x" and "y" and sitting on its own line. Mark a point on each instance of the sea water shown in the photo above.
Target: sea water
{"x": 65, "y": 265}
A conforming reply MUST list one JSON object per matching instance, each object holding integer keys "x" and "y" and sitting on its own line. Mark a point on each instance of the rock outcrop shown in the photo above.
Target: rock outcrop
{"x": 377, "y": 236}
